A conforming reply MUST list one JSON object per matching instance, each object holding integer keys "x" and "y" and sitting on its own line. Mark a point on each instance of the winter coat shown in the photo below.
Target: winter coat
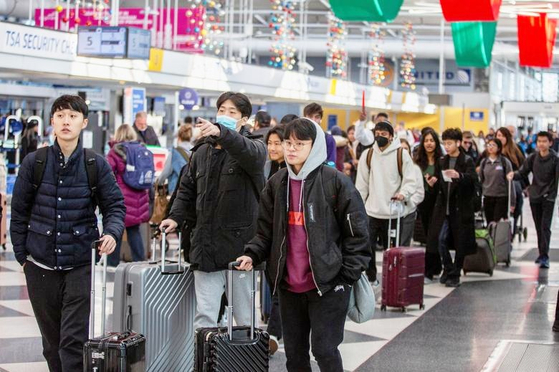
{"x": 136, "y": 201}
{"x": 56, "y": 224}
{"x": 461, "y": 192}
{"x": 378, "y": 184}
{"x": 149, "y": 137}
{"x": 218, "y": 197}
{"x": 336, "y": 224}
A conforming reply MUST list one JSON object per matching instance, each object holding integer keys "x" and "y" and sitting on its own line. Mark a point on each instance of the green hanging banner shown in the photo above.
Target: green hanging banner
{"x": 473, "y": 43}
{"x": 366, "y": 10}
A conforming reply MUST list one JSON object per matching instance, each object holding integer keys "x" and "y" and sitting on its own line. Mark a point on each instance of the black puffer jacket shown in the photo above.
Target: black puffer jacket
{"x": 218, "y": 198}
{"x": 57, "y": 224}
{"x": 336, "y": 223}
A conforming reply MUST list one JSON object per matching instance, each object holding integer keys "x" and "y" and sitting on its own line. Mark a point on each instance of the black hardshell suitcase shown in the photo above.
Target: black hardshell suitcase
{"x": 232, "y": 349}
{"x": 112, "y": 352}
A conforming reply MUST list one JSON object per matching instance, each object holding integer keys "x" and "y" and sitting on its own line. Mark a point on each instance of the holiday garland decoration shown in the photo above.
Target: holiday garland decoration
{"x": 336, "y": 59}
{"x": 282, "y": 22}
{"x": 473, "y": 43}
{"x": 366, "y": 10}
{"x": 207, "y": 27}
{"x": 407, "y": 64}
{"x": 376, "y": 56}
{"x": 536, "y": 39}
{"x": 475, "y": 10}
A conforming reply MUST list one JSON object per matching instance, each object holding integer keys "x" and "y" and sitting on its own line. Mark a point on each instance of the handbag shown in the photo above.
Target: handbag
{"x": 160, "y": 204}
{"x": 361, "y": 301}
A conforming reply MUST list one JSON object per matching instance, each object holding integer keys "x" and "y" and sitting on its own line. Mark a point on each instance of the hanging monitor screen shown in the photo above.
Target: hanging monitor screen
{"x": 114, "y": 42}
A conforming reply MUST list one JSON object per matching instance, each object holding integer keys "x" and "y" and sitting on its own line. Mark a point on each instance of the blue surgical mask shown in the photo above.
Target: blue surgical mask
{"x": 227, "y": 121}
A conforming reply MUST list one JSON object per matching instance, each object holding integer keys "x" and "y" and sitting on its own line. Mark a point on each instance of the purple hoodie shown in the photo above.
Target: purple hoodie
{"x": 330, "y": 148}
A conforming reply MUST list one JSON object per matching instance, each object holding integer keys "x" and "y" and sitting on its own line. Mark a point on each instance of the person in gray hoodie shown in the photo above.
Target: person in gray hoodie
{"x": 313, "y": 235}
{"x": 544, "y": 166}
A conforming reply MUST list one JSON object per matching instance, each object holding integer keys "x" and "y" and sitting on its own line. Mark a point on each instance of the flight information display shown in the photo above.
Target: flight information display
{"x": 114, "y": 42}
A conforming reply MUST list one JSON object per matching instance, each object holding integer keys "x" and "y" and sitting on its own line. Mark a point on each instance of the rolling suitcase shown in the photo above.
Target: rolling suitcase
{"x": 233, "y": 349}
{"x": 403, "y": 270}
{"x": 159, "y": 302}
{"x": 114, "y": 351}
{"x": 501, "y": 233}
{"x": 484, "y": 260}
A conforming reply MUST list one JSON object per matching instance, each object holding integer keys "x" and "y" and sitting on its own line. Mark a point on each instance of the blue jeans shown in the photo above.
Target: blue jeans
{"x": 452, "y": 269}
{"x": 136, "y": 244}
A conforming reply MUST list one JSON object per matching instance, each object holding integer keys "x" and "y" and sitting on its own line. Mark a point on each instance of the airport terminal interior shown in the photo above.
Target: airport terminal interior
{"x": 479, "y": 75}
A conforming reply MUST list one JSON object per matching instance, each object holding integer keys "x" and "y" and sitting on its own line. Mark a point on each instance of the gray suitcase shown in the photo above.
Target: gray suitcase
{"x": 501, "y": 232}
{"x": 158, "y": 301}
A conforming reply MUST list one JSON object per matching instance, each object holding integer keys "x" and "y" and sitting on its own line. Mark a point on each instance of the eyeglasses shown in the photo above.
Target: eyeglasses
{"x": 298, "y": 146}
{"x": 491, "y": 145}
{"x": 467, "y": 143}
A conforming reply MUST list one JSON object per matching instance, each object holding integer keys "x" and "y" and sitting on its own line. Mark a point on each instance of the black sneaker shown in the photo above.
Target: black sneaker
{"x": 555, "y": 327}
{"x": 444, "y": 278}
{"x": 453, "y": 282}
{"x": 538, "y": 260}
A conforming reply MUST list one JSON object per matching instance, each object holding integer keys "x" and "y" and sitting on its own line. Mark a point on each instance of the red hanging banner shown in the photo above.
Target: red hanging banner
{"x": 471, "y": 10}
{"x": 536, "y": 39}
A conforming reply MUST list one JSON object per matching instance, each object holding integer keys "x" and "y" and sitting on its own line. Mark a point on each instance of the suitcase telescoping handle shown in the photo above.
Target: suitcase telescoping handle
{"x": 94, "y": 246}
{"x": 232, "y": 267}
{"x": 394, "y": 203}
{"x": 510, "y": 200}
{"x": 178, "y": 269}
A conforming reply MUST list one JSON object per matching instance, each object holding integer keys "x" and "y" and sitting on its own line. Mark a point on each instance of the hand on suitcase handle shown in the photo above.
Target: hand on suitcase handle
{"x": 243, "y": 263}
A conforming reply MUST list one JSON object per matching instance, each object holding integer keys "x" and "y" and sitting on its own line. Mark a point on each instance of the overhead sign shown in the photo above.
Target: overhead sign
{"x": 477, "y": 116}
{"x": 188, "y": 98}
{"x": 134, "y": 102}
{"x": 114, "y": 42}
{"x": 37, "y": 42}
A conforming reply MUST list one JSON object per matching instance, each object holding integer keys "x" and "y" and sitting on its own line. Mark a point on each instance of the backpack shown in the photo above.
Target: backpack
{"x": 140, "y": 171}
{"x": 90, "y": 167}
{"x": 399, "y": 155}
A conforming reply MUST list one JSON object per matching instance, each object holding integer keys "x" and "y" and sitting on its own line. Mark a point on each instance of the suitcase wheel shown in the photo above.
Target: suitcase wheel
{"x": 490, "y": 273}
{"x": 403, "y": 309}
{"x": 422, "y": 307}
{"x": 382, "y": 307}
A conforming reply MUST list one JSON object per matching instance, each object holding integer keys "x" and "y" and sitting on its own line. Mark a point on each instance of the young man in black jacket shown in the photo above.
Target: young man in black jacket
{"x": 453, "y": 216}
{"x": 53, "y": 226}
{"x": 218, "y": 201}
{"x": 315, "y": 249}
{"x": 544, "y": 166}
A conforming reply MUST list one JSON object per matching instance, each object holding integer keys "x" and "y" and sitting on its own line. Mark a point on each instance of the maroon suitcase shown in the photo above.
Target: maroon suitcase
{"x": 403, "y": 272}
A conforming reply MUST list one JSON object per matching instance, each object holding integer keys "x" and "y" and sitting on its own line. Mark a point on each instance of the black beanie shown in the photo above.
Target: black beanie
{"x": 385, "y": 125}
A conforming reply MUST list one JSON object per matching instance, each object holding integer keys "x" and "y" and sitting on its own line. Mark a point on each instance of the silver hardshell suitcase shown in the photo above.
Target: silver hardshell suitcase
{"x": 158, "y": 301}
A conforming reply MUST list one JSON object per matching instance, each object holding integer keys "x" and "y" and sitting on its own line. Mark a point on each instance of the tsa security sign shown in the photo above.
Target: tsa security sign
{"x": 37, "y": 42}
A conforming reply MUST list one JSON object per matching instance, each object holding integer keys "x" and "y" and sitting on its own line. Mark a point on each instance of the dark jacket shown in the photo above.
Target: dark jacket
{"x": 545, "y": 175}
{"x": 149, "y": 137}
{"x": 460, "y": 193}
{"x": 218, "y": 196}
{"x": 57, "y": 224}
{"x": 336, "y": 223}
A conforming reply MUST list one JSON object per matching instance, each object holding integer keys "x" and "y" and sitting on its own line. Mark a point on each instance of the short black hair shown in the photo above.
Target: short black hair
{"x": 382, "y": 114}
{"x": 312, "y": 109}
{"x": 453, "y": 134}
{"x": 545, "y": 134}
{"x": 70, "y": 102}
{"x": 241, "y": 102}
{"x": 188, "y": 120}
{"x": 263, "y": 118}
{"x": 288, "y": 118}
{"x": 301, "y": 129}
{"x": 278, "y": 130}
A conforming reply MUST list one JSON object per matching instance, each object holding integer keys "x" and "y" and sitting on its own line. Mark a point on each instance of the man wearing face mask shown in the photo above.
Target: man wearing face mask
{"x": 385, "y": 174}
{"x": 218, "y": 201}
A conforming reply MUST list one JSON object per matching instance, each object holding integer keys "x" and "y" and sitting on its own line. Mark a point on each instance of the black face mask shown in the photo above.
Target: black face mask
{"x": 381, "y": 141}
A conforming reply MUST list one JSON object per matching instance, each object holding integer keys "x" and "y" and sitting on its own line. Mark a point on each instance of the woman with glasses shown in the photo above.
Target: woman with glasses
{"x": 492, "y": 171}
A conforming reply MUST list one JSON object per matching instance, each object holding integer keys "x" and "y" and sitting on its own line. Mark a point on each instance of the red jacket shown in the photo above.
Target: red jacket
{"x": 136, "y": 201}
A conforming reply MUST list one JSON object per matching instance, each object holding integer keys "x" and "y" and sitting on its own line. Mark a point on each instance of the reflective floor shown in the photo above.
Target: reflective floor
{"x": 499, "y": 323}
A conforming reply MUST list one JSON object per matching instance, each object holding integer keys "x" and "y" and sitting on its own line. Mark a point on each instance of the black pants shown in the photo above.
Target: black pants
{"x": 453, "y": 269}
{"x": 496, "y": 208}
{"x": 542, "y": 212}
{"x": 519, "y": 203}
{"x": 433, "y": 264}
{"x": 323, "y": 317}
{"x": 274, "y": 321}
{"x": 378, "y": 231}
{"x": 60, "y": 301}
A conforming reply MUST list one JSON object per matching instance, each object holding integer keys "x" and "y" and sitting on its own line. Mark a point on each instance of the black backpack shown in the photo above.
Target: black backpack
{"x": 90, "y": 167}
